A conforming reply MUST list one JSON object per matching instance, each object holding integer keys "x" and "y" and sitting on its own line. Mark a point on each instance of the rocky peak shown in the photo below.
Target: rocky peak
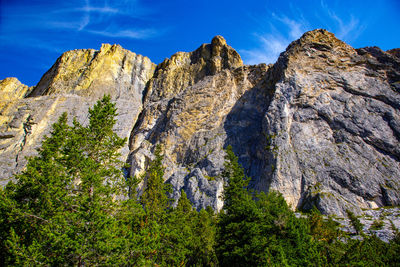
{"x": 218, "y": 55}
{"x": 186, "y": 68}
{"x": 11, "y": 89}
{"x": 322, "y": 129}
{"x": 315, "y": 50}
{"x": 88, "y": 72}
{"x": 72, "y": 84}
{"x": 218, "y": 41}
{"x": 319, "y": 40}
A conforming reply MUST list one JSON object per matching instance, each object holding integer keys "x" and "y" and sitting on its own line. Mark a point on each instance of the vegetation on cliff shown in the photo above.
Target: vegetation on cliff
{"x": 73, "y": 206}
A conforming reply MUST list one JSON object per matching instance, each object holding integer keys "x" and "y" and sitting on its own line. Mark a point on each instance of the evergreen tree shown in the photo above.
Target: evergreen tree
{"x": 204, "y": 233}
{"x": 178, "y": 244}
{"x": 260, "y": 230}
{"x": 156, "y": 204}
{"x": 154, "y": 198}
{"x": 61, "y": 209}
{"x": 191, "y": 236}
{"x": 237, "y": 228}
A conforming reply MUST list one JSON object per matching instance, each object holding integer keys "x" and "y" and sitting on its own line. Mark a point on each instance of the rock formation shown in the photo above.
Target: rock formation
{"x": 321, "y": 125}
{"x": 73, "y": 84}
{"x": 334, "y": 125}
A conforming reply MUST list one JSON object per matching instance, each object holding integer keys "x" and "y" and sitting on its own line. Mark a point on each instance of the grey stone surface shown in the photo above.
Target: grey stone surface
{"x": 334, "y": 127}
{"x": 321, "y": 125}
{"x": 75, "y": 82}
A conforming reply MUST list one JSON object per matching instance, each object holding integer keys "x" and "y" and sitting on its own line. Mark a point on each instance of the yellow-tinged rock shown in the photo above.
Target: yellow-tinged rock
{"x": 11, "y": 89}
{"x": 73, "y": 84}
{"x": 184, "y": 69}
{"x": 87, "y": 72}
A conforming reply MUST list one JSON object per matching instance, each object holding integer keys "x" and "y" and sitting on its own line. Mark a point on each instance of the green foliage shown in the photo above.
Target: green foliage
{"x": 233, "y": 174}
{"x": 204, "y": 233}
{"x": 377, "y": 225}
{"x": 166, "y": 235}
{"x": 154, "y": 197}
{"x": 261, "y": 230}
{"x": 371, "y": 251}
{"x": 355, "y": 222}
{"x": 72, "y": 206}
{"x": 61, "y": 208}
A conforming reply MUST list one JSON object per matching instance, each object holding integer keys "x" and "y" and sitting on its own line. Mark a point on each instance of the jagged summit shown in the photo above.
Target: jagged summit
{"x": 319, "y": 47}
{"x": 186, "y": 68}
{"x": 317, "y": 39}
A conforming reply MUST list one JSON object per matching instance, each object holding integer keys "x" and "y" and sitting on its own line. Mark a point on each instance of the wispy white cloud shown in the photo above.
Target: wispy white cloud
{"x": 99, "y": 19}
{"x": 275, "y": 42}
{"x": 105, "y": 9}
{"x": 85, "y": 20}
{"x": 284, "y": 28}
{"x": 132, "y": 34}
{"x": 103, "y": 18}
{"x": 296, "y": 28}
{"x": 347, "y": 29}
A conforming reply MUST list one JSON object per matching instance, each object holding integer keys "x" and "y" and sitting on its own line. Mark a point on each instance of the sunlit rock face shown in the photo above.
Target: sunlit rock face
{"x": 334, "y": 125}
{"x": 73, "y": 84}
{"x": 321, "y": 125}
{"x": 195, "y": 102}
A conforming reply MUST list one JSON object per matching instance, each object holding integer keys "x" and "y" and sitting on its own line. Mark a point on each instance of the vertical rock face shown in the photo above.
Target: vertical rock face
{"x": 185, "y": 110}
{"x": 333, "y": 125}
{"x": 321, "y": 125}
{"x": 73, "y": 84}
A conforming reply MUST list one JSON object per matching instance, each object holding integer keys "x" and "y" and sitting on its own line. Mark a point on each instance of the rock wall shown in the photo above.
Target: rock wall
{"x": 321, "y": 125}
{"x": 73, "y": 84}
{"x": 334, "y": 125}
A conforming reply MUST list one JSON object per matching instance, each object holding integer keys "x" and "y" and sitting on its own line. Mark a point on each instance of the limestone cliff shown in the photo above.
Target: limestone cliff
{"x": 73, "y": 84}
{"x": 333, "y": 125}
{"x": 321, "y": 125}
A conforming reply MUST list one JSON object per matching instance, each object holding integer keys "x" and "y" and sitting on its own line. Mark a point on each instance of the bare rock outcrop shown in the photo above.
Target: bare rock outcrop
{"x": 73, "y": 84}
{"x": 321, "y": 125}
{"x": 185, "y": 110}
{"x": 333, "y": 125}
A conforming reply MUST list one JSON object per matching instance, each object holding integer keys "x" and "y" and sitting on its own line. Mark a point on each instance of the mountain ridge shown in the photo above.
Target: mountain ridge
{"x": 321, "y": 125}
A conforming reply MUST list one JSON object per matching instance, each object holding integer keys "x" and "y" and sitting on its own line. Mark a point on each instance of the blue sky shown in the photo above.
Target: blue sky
{"x": 34, "y": 33}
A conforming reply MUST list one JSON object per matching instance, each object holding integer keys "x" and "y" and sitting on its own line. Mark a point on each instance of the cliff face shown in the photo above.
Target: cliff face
{"x": 73, "y": 84}
{"x": 185, "y": 110}
{"x": 321, "y": 125}
{"x": 334, "y": 125}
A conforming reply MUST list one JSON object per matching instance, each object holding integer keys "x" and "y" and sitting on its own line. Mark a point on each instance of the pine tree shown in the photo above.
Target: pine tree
{"x": 61, "y": 209}
{"x": 237, "y": 222}
{"x": 178, "y": 244}
{"x": 156, "y": 204}
{"x": 204, "y": 233}
{"x": 154, "y": 197}
{"x": 260, "y": 229}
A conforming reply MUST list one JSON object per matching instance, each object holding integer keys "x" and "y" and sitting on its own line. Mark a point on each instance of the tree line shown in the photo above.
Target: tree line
{"x": 73, "y": 206}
